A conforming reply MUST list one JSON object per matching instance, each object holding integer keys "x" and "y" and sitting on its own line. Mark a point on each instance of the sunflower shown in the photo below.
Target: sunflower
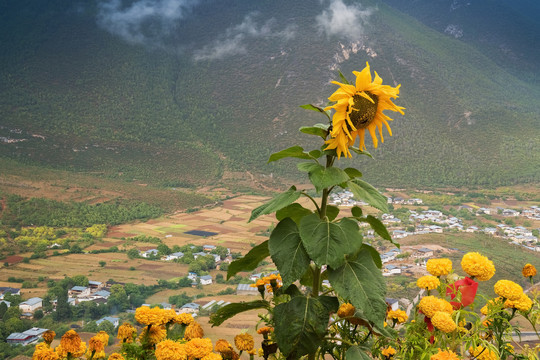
{"x": 360, "y": 107}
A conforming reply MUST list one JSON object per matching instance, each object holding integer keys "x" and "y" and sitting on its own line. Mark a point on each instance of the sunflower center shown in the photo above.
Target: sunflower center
{"x": 364, "y": 111}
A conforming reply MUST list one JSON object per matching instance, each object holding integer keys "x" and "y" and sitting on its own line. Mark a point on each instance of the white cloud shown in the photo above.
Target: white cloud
{"x": 145, "y": 22}
{"x": 344, "y": 20}
{"x": 235, "y": 40}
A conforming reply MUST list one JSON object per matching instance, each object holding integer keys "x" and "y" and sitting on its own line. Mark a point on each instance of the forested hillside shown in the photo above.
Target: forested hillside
{"x": 177, "y": 99}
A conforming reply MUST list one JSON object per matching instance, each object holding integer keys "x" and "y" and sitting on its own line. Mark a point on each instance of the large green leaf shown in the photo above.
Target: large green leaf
{"x": 328, "y": 243}
{"x": 357, "y": 353}
{"x": 332, "y": 212}
{"x": 361, "y": 282}
{"x": 331, "y": 303}
{"x": 307, "y": 166}
{"x": 353, "y": 173}
{"x": 364, "y": 191}
{"x": 322, "y": 177}
{"x": 374, "y": 254}
{"x": 317, "y": 129}
{"x": 278, "y": 202}
{"x": 249, "y": 261}
{"x": 379, "y": 228}
{"x": 294, "y": 211}
{"x": 300, "y": 324}
{"x": 287, "y": 251}
{"x": 294, "y": 151}
{"x": 228, "y": 311}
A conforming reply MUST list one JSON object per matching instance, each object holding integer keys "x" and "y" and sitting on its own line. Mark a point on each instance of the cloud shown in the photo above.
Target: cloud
{"x": 343, "y": 20}
{"x": 146, "y": 22}
{"x": 236, "y": 38}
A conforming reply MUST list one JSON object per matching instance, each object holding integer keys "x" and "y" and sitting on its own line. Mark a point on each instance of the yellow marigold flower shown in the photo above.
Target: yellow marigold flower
{"x": 184, "y": 319}
{"x": 146, "y": 316}
{"x": 388, "y": 352}
{"x": 359, "y": 107}
{"x": 508, "y": 289}
{"x": 443, "y": 321}
{"x": 346, "y": 310}
{"x": 429, "y": 305}
{"x": 483, "y": 354}
{"x": 258, "y": 283}
{"x": 103, "y": 336}
{"x": 224, "y": 347}
{"x": 528, "y": 270}
{"x": 126, "y": 332}
{"x": 168, "y": 315}
{"x": 265, "y": 330}
{"x": 96, "y": 344}
{"x": 198, "y": 348}
{"x": 244, "y": 342}
{"x": 439, "y": 267}
{"x": 428, "y": 282}
{"x": 170, "y": 350}
{"x": 193, "y": 331}
{"x": 477, "y": 266}
{"x": 48, "y": 336}
{"x": 524, "y": 303}
{"x": 116, "y": 356}
{"x": 81, "y": 351}
{"x": 398, "y": 315}
{"x": 272, "y": 277}
{"x": 44, "y": 352}
{"x": 212, "y": 356}
{"x": 444, "y": 355}
{"x": 95, "y": 354}
{"x": 155, "y": 335}
{"x": 71, "y": 342}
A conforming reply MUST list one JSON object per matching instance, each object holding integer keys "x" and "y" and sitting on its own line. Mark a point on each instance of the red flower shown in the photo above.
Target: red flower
{"x": 467, "y": 287}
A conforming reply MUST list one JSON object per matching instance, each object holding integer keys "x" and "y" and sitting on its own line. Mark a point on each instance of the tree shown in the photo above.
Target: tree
{"x": 108, "y": 327}
{"x": 118, "y": 299}
{"x": 80, "y": 280}
{"x": 184, "y": 282}
{"x": 133, "y": 253}
{"x": 38, "y": 314}
{"x": 219, "y": 279}
{"x": 222, "y": 251}
{"x": 163, "y": 249}
{"x": 63, "y": 309}
{"x": 102, "y": 263}
{"x": 3, "y": 309}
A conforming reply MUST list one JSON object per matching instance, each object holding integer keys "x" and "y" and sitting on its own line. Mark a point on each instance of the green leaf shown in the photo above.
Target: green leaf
{"x": 343, "y": 78}
{"x": 315, "y": 154}
{"x": 364, "y": 191}
{"x": 356, "y": 211}
{"x": 307, "y": 278}
{"x": 278, "y": 202}
{"x": 361, "y": 282}
{"x": 357, "y": 353}
{"x": 300, "y": 325}
{"x": 292, "y": 290}
{"x": 317, "y": 129}
{"x": 294, "y": 211}
{"x": 332, "y": 212}
{"x": 331, "y": 303}
{"x": 250, "y": 261}
{"x": 322, "y": 177}
{"x": 287, "y": 251}
{"x": 307, "y": 166}
{"x": 379, "y": 228}
{"x": 374, "y": 254}
{"x": 293, "y": 151}
{"x": 312, "y": 107}
{"x": 328, "y": 243}
{"x": 228, "y": 311}
{"x": 360, "y": 152}
{"x": 353, "y": 173}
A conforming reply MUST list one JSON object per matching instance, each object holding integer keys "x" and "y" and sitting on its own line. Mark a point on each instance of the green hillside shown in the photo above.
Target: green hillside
{"x": 73, "y": 96}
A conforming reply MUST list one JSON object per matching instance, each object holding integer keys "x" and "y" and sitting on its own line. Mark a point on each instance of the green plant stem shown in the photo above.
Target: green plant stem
{"x": 339, "y": 339}
{"x": 316, "y": 280}
{"x": 313, "y": 201}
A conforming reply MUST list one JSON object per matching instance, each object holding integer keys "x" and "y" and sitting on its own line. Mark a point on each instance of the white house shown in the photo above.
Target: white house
{"x": 205, "y": 280}
{"x": 8, "y": 290}
{"x": 190, "y": 308}
{"x": 174, "y": 256}
{"x": 113, "y": 320}
{"x": 391, "y": 270}
{"x": 31, "y": 305}
{"x": 79, "y": 291}
{"x": 148, "y": 253}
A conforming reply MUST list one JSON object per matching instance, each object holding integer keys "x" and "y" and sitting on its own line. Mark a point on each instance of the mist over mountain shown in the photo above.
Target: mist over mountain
{"x": 181, "y": 91}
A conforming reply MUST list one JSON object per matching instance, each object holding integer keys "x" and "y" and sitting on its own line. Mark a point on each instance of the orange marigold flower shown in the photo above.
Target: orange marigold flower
{"x": 388, "y": 352}
{"x": 48, "y": 336}
{"x": 439, "y": 267}
{"x": 478, "y": 266}
{"x": 428, "y": 282}
{"x": 524, "y": 303}
{"x": 96, "y": 344}
{"x": 198, "y": 348}
{"x": 184, "y": 318}
{"x": 258, "y": 283}
{"x": 265, "y": 330}
{"x": 528, "y": 270}
{"x": 168, "y": 315}
{"x": 443, "y": 321}
{"x": 212, "y": 356}
{"x": 116, "y": 356}
{"x": 508, "y": 289}
{"x": 44, "y": 352}
{"x": 126, "y": 332}
{"x": 71, "y": 342}
{"x": 482, "y": 353}
{"x": 224, "y": 347}
{"x": 444, "y": 355}
{"x": 170, "y": 350}
{"x": 346, "y": 310}
{"x": 155, "y": 335}
{"x": 193, "y": 331}
{"x": 244, "y": 342}
{"x": 398, "y": 315}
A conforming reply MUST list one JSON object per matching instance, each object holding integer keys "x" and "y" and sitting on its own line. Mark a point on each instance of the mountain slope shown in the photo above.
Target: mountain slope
{"x": 182, "y": 101}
